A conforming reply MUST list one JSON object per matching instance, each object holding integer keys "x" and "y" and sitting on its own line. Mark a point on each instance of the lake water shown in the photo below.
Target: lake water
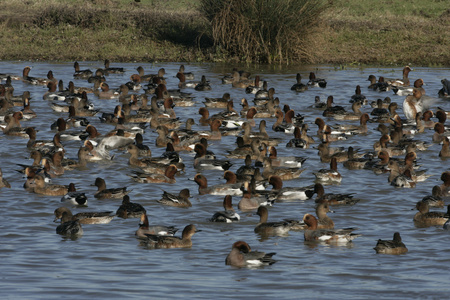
{"x": 108, "y": 262}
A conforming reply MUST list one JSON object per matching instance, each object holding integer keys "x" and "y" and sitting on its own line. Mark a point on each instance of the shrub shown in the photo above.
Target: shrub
{"x": 262, "y": 30}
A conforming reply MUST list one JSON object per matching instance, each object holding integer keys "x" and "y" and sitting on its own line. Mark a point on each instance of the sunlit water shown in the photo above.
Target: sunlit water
{"x": 108, "y": 262}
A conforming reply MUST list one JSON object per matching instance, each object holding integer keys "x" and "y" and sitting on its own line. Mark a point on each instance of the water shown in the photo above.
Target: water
{"x": 107, "y": 261}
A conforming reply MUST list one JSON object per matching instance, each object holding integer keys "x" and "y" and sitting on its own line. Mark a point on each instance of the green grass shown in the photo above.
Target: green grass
{"x": 387, "y": 32}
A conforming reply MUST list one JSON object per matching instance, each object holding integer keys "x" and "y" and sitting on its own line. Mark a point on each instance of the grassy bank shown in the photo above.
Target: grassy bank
{"x": 349, "y": 32}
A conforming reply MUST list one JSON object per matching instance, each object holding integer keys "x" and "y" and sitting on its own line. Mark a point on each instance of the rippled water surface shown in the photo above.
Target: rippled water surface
{"x": 108, "y": 262}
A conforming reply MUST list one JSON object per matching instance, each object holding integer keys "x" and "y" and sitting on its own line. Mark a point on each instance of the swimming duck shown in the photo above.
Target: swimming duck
{"x": 218, "y": 189}
{"x": 130, "y": 209}
{"x": 331, "y": 175}
{"x": 73, "y": 197}
{"x": 165, "y": 242}
{"x": 406, "y": 90}
{"x": 110, "y": 70}
{"x": 242, "y": 256}
{"x": 145, "y": 229}
{"x": 265, "y": 228}
{"x": 112, "y": 193}
{"x": 316, "y": 82}
{"x": 167, "y": 177}
{"x": 218, "y": 102}
{"x": 69, "y": 227}
{"x": 85, "y": 217}
{"x": 281, "y": 193}
{"x": 3, "y": 181}
{"x": 299, "y": 86}
{"x": 329, "y": 236}
{"x": 358, "y": 97}
{"x": 425, "y": 218}
{"x": 180, "y": 200}
{"x": 401, "y": 82}
{"x": 435, "y": 199}
{"x": 82, "y": 74}
{"x": 331, "y": 198}
{"x": 228, "y": 215}
{"x": 394, "y": 246}
{"x": 48, "y": 189}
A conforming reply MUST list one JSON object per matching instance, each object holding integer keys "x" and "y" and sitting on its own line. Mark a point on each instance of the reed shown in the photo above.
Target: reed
{"x": 263, "y": 30}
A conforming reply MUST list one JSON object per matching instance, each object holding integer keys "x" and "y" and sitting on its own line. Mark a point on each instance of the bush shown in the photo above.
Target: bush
{"x": 262, "y": 30}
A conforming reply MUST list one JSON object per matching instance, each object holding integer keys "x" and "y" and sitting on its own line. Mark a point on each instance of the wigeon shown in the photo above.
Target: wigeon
{"x": 69, "y": 227}
{"x": 85, "y": 217}
{"x": 299, "y": 86}
{"x": 146, "y": 229}
{"x": 130, "y": 209}
{"x": 228, "y": 215}
{"x": 329, "y": 236}
{"x": 73, "y": 197}
{"x": 394, "y": 246}
{"x": 426, "y": 218}
{"x": 265, "y": 228}
{"x": 180, "y": 200}
{"x": 166, "y": 242}
{"x": 111, "y": 193}
{"x": 241, "y": 255}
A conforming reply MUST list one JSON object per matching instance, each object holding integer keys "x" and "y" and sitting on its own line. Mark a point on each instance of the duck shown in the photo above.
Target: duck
{"x": 331, "y": 109}
{"x": 218, "y": 189}
{"x": 350, "y": 116}
{"x": 130, "y": 209}
{"x": 401, "y": 82}
{"x": 69, "y": 227}
{"x": 316, "y": 82}
{"x": 329, "y": 236}
{"x": 110, "y": 70}
{"x": 284, "y": 124}
{"x": 180, "y": 200}
{"x": 331, "y": 198}
{"x": 203, "y": 85}
{"x": 48, "y": 189}
{"x": 406, "y": 90}
{"x": 324, "y": 221}
{"x": 203, "y": 163}
{"x": 413, "y": 104}
{"x": 281, "y": 193}
{"x": 81, "y": 74}
{"x": 228, "y": 215}
{"x": 444, "y": 92}
{"x": 85, "y": 217}
{"x": 73, "y": 197}
{"x": 380, "y": 86}
{"x": 265, "y": 228}
{"x": 445, "y": 150}
{"x": 250, "y": 201}
{"x": 153, "y": 164}
{"x": 284, "y": 173}
{"x": 145, "y": 229}
{"x": 220, "y": 102}
{"x": 111, "y": 193}
{"x": 445, "y": 186}
{"x": 166, "y": 242}
{"x": 394, "y": 246}
{"x": 34, "y": 80}
{"x": 285, "y": 161}
{"x": 330, "y": 175}
{"x": 242, "y": 256}
{"x": 299, "y": 86}
{"x": 426, "y": 218}
{"x": 167, "y": 177}
{"x": 187, "y": 75}
{"x": 435, "y": 199}
{"x": 3, "y": 181}
{"x": 358, "y": 96}
{"x": 183, "y": 84}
